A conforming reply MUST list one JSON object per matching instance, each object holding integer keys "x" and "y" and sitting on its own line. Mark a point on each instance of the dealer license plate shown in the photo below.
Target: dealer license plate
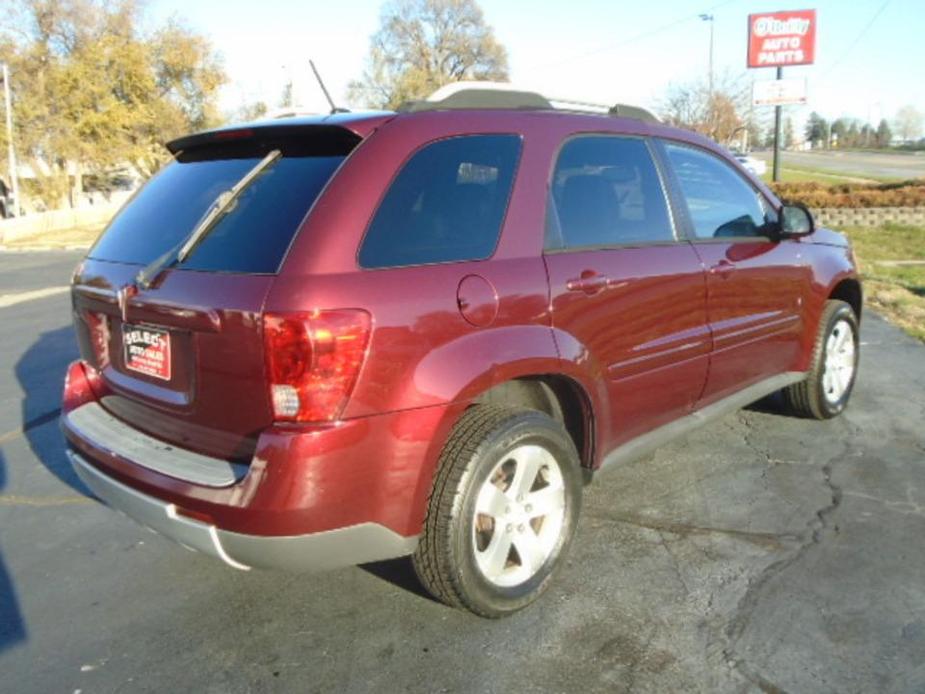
{"x": 147, "y": 351}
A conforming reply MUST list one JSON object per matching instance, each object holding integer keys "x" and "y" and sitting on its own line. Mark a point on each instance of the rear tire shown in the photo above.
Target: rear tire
{"x": 833, "y": 370}
{"x": 502, "y": 511}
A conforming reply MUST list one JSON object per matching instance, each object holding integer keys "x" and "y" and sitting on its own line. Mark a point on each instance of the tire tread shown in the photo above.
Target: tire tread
{"x": 430, "y": 563}
{"x": 804, "y": 398}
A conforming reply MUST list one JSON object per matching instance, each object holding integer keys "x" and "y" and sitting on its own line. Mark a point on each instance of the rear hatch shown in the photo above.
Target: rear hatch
{"x": 182, "y": 357}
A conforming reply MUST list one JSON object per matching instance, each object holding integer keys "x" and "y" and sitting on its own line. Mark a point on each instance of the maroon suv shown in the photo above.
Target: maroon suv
{"x": 310, "y": 343}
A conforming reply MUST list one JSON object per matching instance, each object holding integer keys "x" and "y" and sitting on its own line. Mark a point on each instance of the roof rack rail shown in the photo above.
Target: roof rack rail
{"x": 501, "y": 95}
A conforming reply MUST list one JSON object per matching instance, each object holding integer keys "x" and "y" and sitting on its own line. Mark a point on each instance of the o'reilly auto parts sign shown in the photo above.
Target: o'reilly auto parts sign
{"x": 778, "y": 39}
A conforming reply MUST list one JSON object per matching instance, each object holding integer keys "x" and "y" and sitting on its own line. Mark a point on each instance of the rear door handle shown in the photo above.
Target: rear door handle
{"x": 723, "y": 268}
{"x": 590, "y": 282}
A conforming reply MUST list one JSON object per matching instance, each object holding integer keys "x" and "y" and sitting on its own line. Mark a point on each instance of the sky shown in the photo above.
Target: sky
{"x": 870, "y": 54}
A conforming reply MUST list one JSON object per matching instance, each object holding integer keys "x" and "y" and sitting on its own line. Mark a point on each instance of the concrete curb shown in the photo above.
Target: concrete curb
{"x": 37, "y": 249}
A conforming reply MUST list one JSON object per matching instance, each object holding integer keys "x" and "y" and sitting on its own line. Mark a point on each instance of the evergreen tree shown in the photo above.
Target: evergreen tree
{"x": 884, "y": 134}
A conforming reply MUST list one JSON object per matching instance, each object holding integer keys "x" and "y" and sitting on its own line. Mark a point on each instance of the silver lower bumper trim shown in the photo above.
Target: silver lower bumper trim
{"x": 331, "y": 549}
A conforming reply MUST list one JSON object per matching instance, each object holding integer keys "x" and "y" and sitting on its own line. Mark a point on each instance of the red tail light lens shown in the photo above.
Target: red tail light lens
{"x": 78, "y": 387}
{"x": 98, "y": 325}
{"x": 313, "y": 360}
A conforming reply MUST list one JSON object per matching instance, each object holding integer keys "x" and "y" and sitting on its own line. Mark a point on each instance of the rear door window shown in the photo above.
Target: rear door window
{"x": 446, "y": 204}
{"x": 606, "y": 192}
{"x": 255, "y": 233}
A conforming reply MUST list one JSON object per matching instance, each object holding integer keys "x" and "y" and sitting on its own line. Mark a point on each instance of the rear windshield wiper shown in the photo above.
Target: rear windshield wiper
{"x": 218, "y": 209}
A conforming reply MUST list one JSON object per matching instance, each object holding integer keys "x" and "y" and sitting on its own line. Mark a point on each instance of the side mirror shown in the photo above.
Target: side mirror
{"x": 796, "y": 220}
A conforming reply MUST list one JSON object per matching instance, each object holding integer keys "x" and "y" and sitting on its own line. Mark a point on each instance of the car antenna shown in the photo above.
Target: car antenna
{"x": 334, "y": 109}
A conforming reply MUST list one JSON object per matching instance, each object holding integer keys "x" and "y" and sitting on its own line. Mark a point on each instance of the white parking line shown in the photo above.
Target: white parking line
{"x": 7, "y": 300}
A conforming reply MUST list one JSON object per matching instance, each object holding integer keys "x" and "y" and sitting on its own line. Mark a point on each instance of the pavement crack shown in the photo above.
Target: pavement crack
{"x": 674, "y": 563}
{"x": 836, "y": 499}
{"x": 764, "y": 684}
{"x": 766, "y": 540}
{"x": 36, "y": 421}
{"x": 747, "y": 604}
{"x": 906, "y": 508}
{"x": 749, "y": 441}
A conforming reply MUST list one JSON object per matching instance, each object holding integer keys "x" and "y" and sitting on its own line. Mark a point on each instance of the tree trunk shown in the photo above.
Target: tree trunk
{"x": 77, "y": 185}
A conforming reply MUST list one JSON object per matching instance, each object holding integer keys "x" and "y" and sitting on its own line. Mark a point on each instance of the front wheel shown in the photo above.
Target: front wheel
{"x": 503, "y": 510}
{"x": 828, "y": 385}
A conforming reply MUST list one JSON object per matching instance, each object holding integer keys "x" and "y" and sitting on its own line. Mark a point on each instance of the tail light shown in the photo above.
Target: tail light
{"x": 98, "y": 325}
{"x": 78, "y": 385}
{"x": 313, "y": 360}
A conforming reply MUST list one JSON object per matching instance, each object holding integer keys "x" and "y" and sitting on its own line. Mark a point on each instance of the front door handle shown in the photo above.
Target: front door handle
{"x": 723, "y": 268}
{"x": 590, "y": 282}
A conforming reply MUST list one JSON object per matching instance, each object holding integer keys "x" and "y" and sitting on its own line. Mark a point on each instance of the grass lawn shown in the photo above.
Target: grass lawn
{"x": 799, "y": 174}
{"x": 895, "y": 291}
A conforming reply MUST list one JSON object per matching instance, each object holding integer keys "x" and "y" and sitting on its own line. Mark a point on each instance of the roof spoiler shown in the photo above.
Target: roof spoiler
{"x": 340, "y": 136}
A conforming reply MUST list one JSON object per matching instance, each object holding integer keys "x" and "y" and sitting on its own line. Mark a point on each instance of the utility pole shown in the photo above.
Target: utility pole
{"x": 709, "y": 18}
{"x": 777, "y": 111}
{"x": 11, "y": 153}
{"x": 748, "y": 124}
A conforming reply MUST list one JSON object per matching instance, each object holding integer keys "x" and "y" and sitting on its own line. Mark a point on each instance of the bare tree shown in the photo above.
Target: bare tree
{"x": 422, "y": 45}
{"x": 248, "y": 111}
{"x": 721, "y": 113}
{"x": 909, "y": 123}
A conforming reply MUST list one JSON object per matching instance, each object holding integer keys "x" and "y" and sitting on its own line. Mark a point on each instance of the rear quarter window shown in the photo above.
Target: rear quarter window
{"x": 446, "y": 204}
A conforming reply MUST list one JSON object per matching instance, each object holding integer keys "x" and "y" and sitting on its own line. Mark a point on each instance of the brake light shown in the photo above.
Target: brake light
{"x": 313, "y": 360}
{"x": 239, "y": 134}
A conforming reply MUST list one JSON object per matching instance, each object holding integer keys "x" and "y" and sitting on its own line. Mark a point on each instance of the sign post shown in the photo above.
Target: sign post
{"x": 11, "y": 152}
{"x": 776, "y": 39}
{"x": 775, "y": 172}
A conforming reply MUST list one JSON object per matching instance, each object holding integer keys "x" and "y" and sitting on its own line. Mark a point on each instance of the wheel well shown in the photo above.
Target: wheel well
{"x": 849, "y": 291}
{"x": 559, "y": 397}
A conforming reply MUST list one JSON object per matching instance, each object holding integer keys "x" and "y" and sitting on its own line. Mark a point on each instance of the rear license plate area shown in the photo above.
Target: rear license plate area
{"x": 147, "y": 351}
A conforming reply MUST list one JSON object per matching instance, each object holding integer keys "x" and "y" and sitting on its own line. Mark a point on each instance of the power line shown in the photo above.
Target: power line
{"x": 857, "y": 39}
{"x": 633, "y": 39}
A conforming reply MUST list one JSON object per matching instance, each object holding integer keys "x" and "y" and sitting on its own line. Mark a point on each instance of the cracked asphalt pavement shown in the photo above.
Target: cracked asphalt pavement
{"x": 761, "y": 553}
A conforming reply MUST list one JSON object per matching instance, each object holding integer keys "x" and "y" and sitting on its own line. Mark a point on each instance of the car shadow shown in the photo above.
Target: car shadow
{"x": 40, "y": 372}
{"x": 770, "y": 404}
{"x": 12, "y": 626}
{"x": 400, "y": 573}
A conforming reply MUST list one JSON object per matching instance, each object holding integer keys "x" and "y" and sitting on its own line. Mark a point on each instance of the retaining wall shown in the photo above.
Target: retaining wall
{"x": 868, "y": 216}
{"x": 56, "y": 220}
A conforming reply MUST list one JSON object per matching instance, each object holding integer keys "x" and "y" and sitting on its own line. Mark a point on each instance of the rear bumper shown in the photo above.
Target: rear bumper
{"x": 311, "y": 497}
{"x": 311, "y": 552}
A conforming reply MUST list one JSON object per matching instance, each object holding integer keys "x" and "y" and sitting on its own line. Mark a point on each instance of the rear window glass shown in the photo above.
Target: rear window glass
{"x": 251, "y": 238}
{"x": 447, "y": 204}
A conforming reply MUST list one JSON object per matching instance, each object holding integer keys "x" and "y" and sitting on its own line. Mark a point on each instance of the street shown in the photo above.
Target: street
{"x": 855, "y": 163}
{"x": 759, "y": 553}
